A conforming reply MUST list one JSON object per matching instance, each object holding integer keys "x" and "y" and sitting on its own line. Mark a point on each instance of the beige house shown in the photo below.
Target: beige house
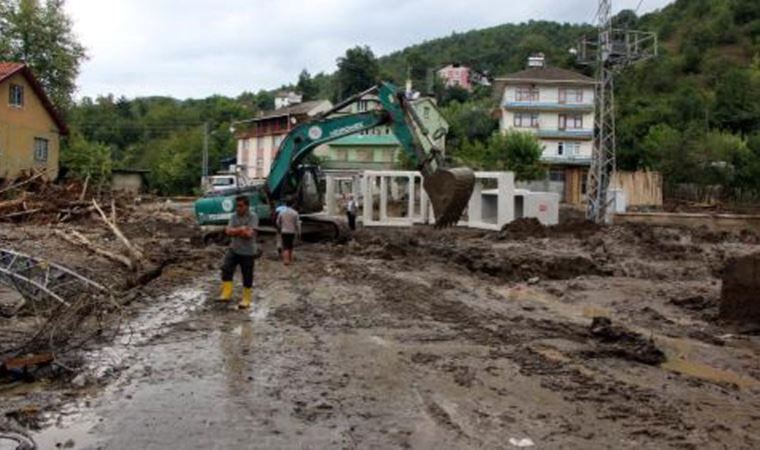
{"x": 30, "y": 127}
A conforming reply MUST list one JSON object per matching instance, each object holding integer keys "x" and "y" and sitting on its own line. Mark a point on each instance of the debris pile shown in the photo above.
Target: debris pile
{"x": 33, "y": 199}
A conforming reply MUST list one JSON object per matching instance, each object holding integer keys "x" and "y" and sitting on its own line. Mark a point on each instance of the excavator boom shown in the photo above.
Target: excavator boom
{"x": 449, "y": 190}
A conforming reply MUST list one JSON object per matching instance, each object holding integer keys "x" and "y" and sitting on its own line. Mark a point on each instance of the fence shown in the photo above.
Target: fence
{"x": 642, "y": 188}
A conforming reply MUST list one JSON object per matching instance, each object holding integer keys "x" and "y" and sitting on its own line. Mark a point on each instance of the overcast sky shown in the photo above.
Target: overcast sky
{"x": 196, "y": 48}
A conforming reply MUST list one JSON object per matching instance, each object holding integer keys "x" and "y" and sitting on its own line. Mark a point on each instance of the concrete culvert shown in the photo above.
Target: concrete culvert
{"x": 740, "y": 297}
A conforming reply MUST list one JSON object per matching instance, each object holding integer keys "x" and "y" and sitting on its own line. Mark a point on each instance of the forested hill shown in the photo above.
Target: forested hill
{"x": 497, "y": 50}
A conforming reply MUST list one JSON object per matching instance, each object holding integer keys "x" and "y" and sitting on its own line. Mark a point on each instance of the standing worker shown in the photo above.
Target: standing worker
{"x": 289, "y": 224}
{"x": 351, "y": 208}
{"x": 242, "y": 251}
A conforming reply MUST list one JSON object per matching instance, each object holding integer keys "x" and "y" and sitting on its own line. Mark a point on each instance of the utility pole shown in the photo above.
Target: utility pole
{"x": 205, "y": 153}
{"x": 613, "y": 50}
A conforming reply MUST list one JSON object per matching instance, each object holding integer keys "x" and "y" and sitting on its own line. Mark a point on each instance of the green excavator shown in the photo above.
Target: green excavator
{"x": 449, "y": 189}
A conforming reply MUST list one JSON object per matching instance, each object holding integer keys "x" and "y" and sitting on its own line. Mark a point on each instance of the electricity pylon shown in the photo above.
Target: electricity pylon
{"x": 613, "y": 50}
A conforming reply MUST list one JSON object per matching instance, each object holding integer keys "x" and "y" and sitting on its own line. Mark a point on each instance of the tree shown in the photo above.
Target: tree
{"x": 358, "y": 71}
{"x": 518, "y": 152}
{"x": 515, "y": 151}
{"x": 42, "y": 36}
{"x": 307, "y": 87}
{"x": 85, "y": 159}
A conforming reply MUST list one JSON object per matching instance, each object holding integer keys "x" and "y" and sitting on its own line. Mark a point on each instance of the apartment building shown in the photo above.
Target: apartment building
{"x": 558, "y": 106}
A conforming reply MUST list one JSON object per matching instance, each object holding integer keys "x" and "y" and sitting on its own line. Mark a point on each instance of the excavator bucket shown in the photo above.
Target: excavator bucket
{"x": 449, "y": 191}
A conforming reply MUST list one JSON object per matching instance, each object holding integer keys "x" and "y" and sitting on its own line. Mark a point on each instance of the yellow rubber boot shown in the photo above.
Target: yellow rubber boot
{"x": 226, "y": 294}
{"x": 245, "y": 303}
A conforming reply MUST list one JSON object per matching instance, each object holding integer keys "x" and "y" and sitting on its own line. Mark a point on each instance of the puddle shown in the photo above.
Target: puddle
{"x": 152, "y": 322}
{"x": 708, "y": 373}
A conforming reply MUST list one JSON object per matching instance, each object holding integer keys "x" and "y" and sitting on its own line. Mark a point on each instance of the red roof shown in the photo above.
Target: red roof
{"x": 9, "y": 69}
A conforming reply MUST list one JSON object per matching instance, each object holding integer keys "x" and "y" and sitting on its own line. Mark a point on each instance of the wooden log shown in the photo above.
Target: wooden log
{"x": 137, "y": 255}
{"x": 21, "y": 213}
{"x": 76, "y": 238}
{"x": 84, "y": 188}
{"x": 22, "y": 183}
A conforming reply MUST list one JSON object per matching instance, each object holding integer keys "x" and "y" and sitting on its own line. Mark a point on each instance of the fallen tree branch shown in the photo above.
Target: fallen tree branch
{"x": 22, "y": 183}
{"x": 84, "y": 188}
{"x": 137, "y": 255}
{"x": 76, "y": 238}
{"x": 21, "y": 213}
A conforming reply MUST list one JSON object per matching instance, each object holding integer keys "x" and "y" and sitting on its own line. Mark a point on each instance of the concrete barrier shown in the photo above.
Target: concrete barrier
{"x": 492, "y": 205}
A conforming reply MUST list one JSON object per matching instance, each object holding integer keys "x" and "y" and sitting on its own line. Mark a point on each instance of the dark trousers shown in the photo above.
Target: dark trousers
{"x": 351, "y": 220}
{"x": 246, "y": 263}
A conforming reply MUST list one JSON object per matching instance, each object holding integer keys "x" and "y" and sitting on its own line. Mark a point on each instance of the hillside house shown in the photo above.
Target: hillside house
{"x": 284, "y": 99}
{"x": 457, "y": 75}
{"x": 30, "y": 126}
{"x": 558, "y": 106}
{"x": 259, "y": 139}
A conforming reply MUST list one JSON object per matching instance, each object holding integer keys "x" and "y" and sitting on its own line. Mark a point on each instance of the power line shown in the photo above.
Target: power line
{"x": 638, "y": 7}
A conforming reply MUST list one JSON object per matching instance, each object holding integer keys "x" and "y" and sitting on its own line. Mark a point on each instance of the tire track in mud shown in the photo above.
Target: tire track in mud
{"x": 654, "y": 417}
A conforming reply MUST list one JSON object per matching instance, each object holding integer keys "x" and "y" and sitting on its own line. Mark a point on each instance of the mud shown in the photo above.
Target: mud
{"x": 606, "y": 338}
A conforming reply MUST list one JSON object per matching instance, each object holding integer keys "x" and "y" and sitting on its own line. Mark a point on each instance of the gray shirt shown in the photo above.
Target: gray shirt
{"x": 288, "y": 222}
{"x": 239, "y": 245}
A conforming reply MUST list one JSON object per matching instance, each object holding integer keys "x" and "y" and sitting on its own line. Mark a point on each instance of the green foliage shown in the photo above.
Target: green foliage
{"x": 471, "y": 121}
{"x": 307, "y": 86}
{"x": 85, "y": 159}
{"x": 358, "y": 71}
{"x": 515, "y": 151}
{"x": 41, "y": 35}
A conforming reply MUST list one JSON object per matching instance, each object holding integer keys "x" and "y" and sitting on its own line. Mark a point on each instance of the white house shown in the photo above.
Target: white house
{"x": 558, "y": 106}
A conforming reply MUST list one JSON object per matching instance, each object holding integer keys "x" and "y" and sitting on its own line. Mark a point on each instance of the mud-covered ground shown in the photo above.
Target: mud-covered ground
{"x": 430, "y": 339}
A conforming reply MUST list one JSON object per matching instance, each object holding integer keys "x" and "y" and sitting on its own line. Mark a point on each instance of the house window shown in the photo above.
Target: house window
{"x": 363, "y": 105}
{"x": 572, "y": 148}
{"x": 527, "y": 94}
{"x": 16, "y": 95}
{"x": 573, "y": 122}
{"x": 40, "y": 150}
{"x": 572, "y": 95}
{"x": 523, "y": 120}
{"x": 557, "y": 175}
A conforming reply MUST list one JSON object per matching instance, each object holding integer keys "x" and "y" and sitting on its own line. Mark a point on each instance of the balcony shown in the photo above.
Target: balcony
{"x": 567, "y": 160}
{"x": 547, "y": 106}
{"x": 569, "y": 133}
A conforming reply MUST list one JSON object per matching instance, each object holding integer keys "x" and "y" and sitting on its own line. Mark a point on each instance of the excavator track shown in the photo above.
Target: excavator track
{"x": 449, "y": 191}
{"x": 319, "y": 228}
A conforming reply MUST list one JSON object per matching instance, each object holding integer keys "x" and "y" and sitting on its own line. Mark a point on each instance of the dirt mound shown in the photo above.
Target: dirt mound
{"x": 619, "y": 342}
{"x": 523, "y": 228}
{"x": 531, "y": 228}
{"x": 741, "y": 284}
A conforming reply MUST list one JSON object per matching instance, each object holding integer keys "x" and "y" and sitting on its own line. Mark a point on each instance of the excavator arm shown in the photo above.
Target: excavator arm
{"x": 448, "y": 189}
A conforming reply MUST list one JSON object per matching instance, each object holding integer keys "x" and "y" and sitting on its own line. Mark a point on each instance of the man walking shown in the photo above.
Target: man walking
{"x": 351, "y": 209}
{"x": 289, "y": 224}
{"x": 242, "y": 251}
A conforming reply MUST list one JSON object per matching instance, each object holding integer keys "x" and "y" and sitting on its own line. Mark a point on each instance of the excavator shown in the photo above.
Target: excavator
{"x": 449, "y": 189}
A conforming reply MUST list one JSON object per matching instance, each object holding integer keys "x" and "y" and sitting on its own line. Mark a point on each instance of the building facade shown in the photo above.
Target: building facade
{"x": 375, "y": 149}
{"x": 557, "y": 105}
{"x": 30, "y": 127}
{"x": 259, "y": 139}
{"x": 378, "y": 148}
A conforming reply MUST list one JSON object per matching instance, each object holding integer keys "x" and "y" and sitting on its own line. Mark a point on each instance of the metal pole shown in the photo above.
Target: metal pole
{"x": 205, "y": 152}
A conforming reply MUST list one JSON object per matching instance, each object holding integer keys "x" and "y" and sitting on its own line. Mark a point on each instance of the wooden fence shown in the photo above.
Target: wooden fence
{"x": 642, "y": 188}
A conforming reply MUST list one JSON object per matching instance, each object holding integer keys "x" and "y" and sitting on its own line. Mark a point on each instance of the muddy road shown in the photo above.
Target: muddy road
{"x": 433, "y": 340}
